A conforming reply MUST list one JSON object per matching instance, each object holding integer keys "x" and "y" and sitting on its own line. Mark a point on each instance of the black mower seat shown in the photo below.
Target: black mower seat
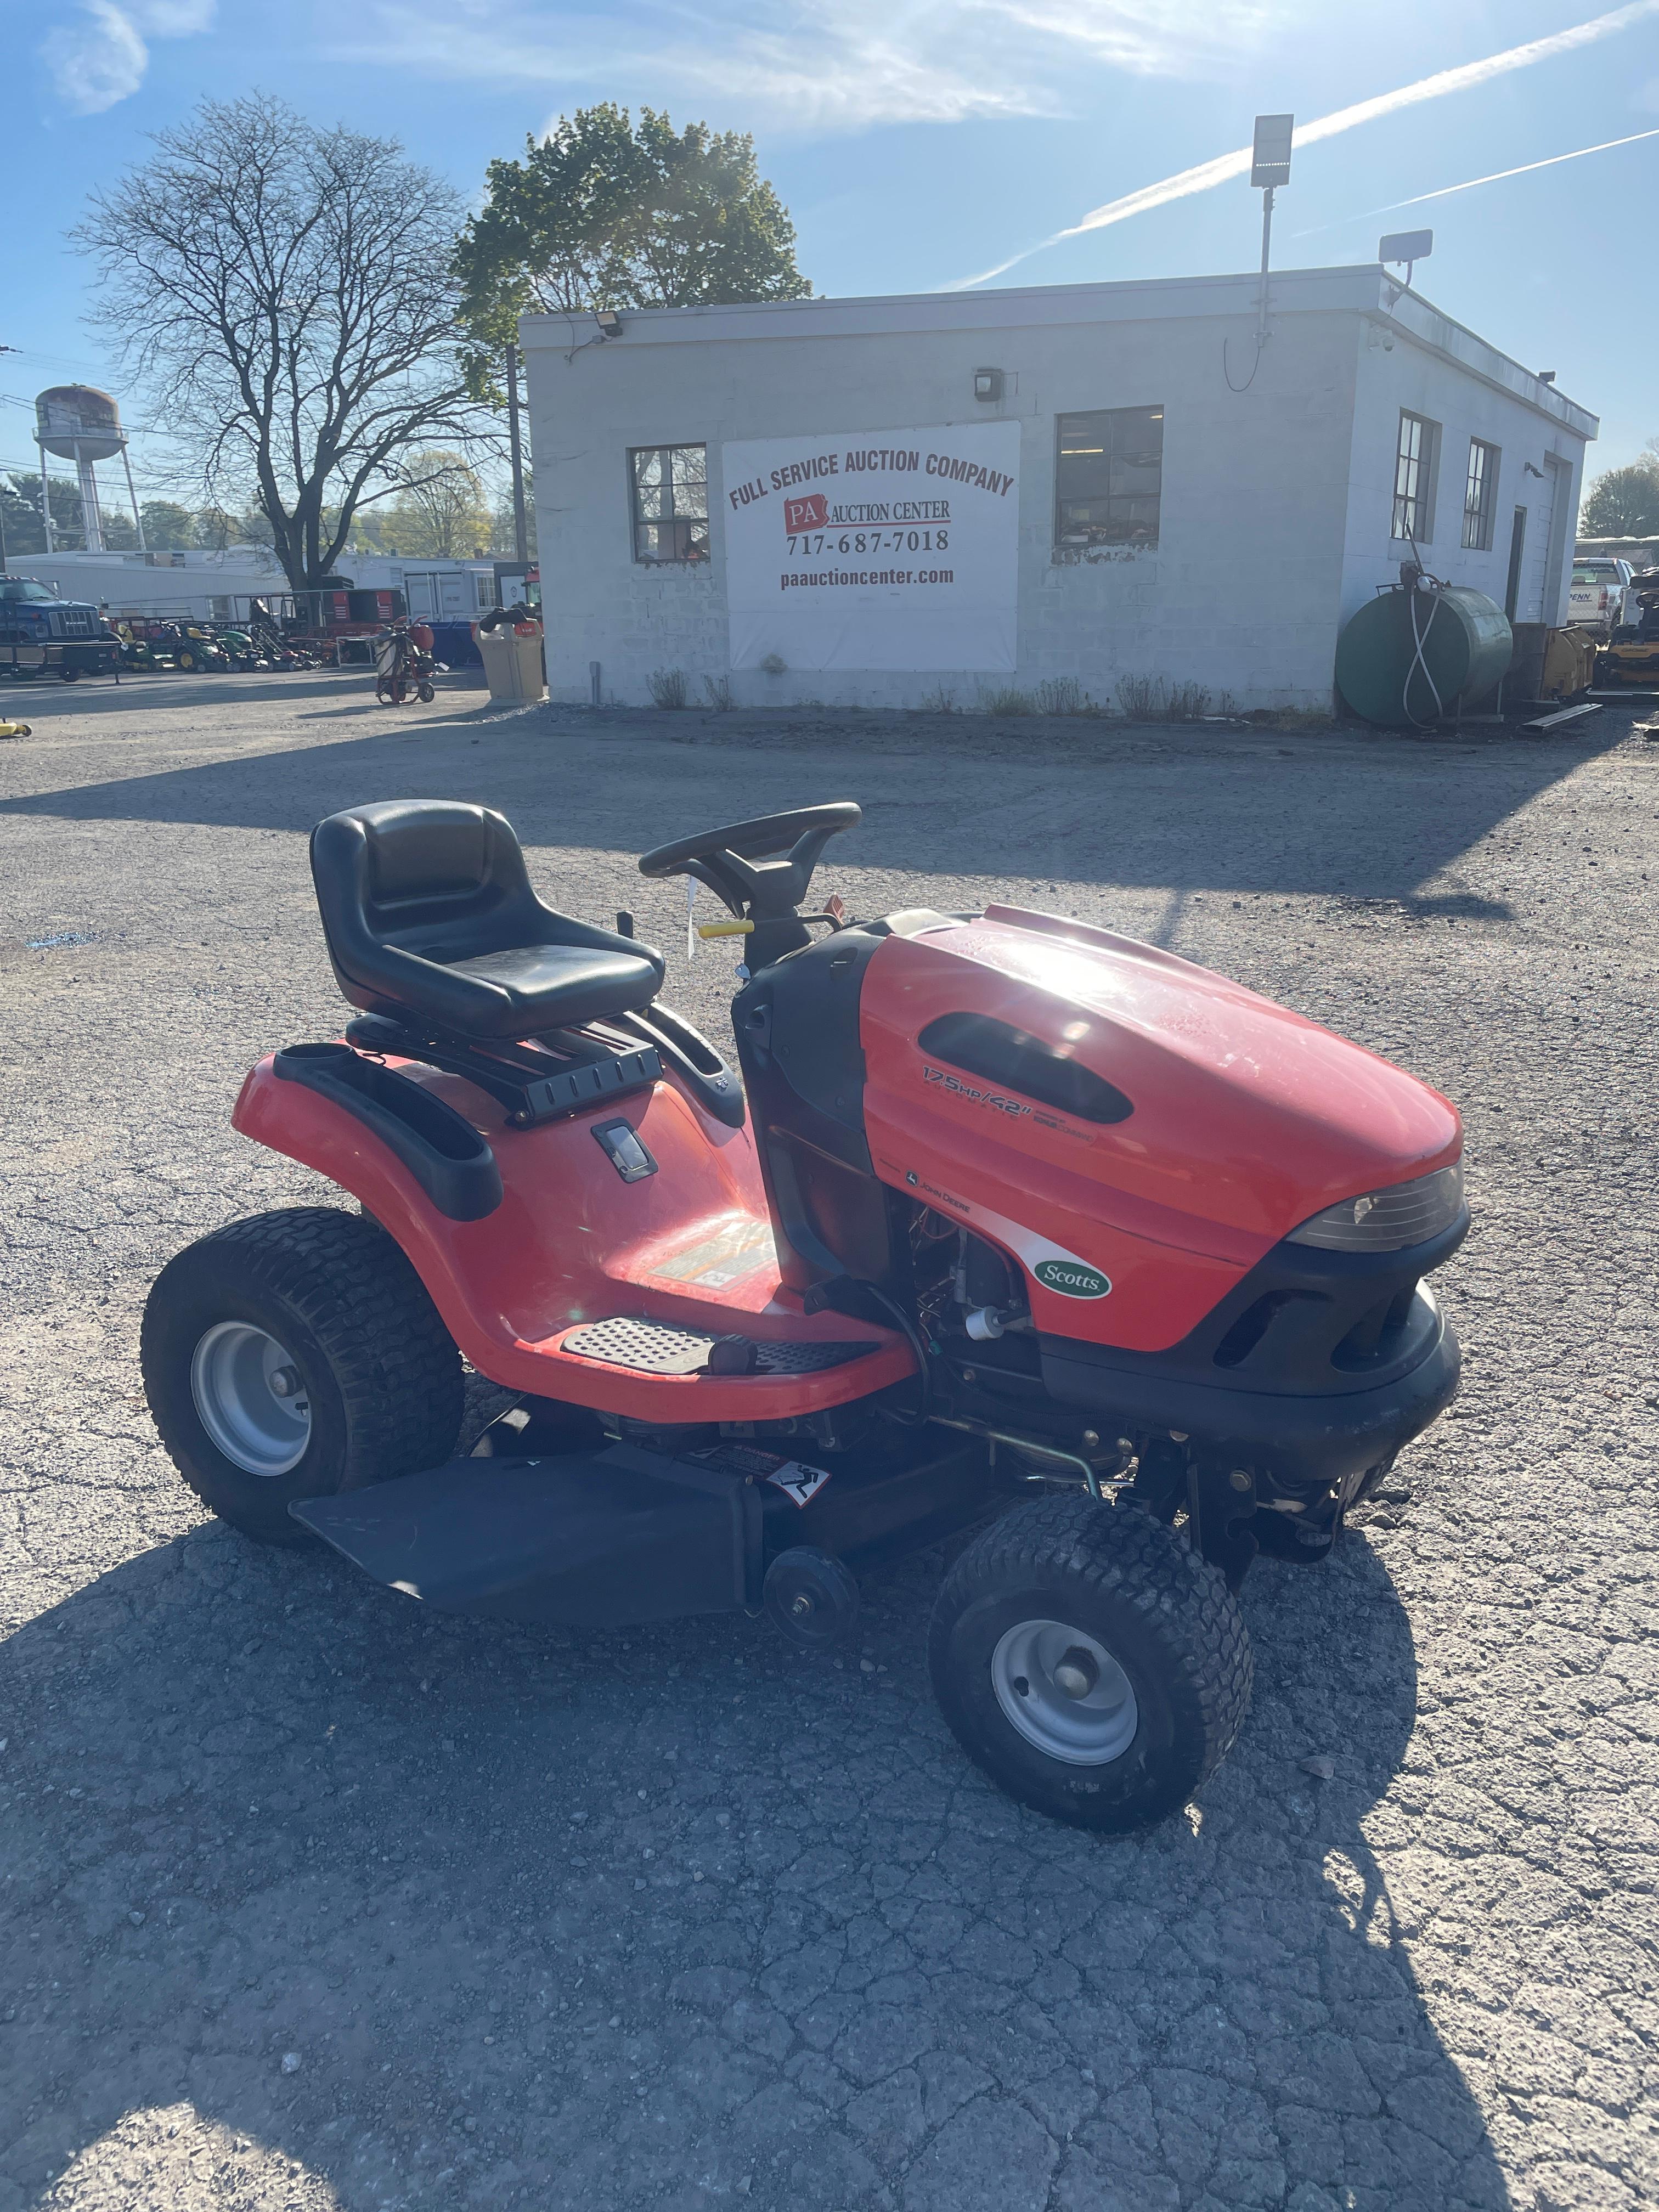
{"x": 429, "y": 913}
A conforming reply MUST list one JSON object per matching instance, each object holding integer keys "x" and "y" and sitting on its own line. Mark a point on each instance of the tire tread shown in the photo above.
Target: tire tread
{"x": 1145, "y": 1565}
{"x": 352, "y": 1286}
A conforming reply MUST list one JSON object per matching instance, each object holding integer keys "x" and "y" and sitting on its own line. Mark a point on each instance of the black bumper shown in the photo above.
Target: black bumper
{"x": 1316, "y": 1367}
{"x": 1293, "y": 1442}
{"x": 94, "y": 657}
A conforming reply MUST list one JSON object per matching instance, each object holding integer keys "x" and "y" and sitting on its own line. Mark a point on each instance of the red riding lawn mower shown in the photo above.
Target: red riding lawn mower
{"x": 1009, "y": 1224}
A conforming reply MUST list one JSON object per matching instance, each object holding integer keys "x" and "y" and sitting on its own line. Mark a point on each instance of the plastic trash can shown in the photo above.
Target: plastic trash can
{"x": 512, "y": 656}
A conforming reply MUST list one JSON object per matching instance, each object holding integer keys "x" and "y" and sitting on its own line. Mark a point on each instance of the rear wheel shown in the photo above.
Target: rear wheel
{"x": 293, "y": 1355}
{"x": 1093, "y": 1664}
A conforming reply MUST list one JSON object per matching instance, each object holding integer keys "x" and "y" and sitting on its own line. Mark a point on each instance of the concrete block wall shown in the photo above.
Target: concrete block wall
{"x": 1267, "y": 538}
{"x": 1403, "y": 362}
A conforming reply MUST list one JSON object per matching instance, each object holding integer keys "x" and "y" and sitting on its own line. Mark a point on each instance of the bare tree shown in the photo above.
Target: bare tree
{"x": 445, "y": 499}
{"x": 287, "y": 294}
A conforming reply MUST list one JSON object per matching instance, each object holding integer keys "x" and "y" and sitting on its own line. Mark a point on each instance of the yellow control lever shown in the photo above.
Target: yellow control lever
{"x": 724, "y": 928}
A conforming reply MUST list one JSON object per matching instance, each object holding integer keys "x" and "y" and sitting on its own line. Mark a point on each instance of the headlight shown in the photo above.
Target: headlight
{"x": 1384, "y": 1220}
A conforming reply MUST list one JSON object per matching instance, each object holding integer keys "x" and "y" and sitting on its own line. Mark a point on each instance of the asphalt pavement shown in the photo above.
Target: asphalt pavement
{"x": 309, "y": 1900}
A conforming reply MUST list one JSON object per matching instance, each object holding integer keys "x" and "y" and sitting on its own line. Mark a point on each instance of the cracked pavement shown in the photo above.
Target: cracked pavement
{"x": 308, "y": 1901}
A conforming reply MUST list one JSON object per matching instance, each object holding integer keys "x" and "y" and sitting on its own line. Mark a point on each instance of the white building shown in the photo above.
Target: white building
{"x": 879, "y": 501}
{"x": 216, "y": 586}
{"x": 210, "y": 586}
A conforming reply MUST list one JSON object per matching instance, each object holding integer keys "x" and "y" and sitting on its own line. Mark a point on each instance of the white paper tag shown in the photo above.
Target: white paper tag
{"x": 690, "y": 920}
{"x": 801, "y": 1483}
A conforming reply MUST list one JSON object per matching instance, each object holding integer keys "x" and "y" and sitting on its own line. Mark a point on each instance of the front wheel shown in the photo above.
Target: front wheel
{"x": 293, "y": 1355}
{"x": 1094, "y": 1665}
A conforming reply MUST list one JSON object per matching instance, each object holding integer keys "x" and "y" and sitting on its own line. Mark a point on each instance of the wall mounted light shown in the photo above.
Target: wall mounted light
{"x": 608, "y": 321}
{"x": 988, "y": 384}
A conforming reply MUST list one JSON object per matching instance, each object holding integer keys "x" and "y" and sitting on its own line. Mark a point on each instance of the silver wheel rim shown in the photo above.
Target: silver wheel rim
{"x": 1064, "y": 1692}
{"x": 251, "y": 1399}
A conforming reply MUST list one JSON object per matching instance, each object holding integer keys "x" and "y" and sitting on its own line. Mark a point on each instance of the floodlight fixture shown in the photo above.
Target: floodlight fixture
{"x": 1410, "y": 247}
{"x": 1270, "y": 156}
{"x": 610, "y": 322}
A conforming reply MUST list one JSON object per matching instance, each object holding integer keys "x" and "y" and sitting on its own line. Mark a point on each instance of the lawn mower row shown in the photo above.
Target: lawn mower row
{"x": 156, "y": 645}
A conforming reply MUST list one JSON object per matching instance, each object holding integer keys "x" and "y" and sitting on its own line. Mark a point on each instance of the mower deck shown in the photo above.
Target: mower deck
{"x": 626, "y": 1533}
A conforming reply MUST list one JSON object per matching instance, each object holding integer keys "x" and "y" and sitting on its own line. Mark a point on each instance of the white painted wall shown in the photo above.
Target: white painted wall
{"x": 1404, "y": 361}
{"x": 1276, "y": 497}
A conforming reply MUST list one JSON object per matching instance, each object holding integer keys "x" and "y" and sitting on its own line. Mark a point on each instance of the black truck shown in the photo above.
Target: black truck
{"x": 41, "y": 635}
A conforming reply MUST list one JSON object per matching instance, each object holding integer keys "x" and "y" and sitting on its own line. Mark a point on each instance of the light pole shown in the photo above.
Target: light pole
{"x": 1270, "y": 167}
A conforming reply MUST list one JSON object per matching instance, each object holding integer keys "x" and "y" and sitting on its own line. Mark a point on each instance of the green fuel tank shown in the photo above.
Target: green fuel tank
{"x": 1467, "y": 646}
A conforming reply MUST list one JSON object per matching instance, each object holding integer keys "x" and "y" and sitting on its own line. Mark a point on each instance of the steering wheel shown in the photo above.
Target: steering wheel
{"x": 734, "y": 864}
{"x": 766, "y": 834}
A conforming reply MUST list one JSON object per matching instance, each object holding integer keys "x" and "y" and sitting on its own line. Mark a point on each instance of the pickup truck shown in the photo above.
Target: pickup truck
{"x": 1600, "y": 597}
{"x": 41, "y": 635}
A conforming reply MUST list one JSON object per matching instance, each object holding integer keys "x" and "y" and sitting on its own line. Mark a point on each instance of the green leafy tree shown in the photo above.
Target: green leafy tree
{"x": 168, "y": 527}
{"x": 503, "y": 543}
{"x": 19, "y": 499}
{"x": 1623, "y": 503}
{"x": 120, "y": 532}
{"x": 603, "y": 214}
{"x": 442, "y": 514}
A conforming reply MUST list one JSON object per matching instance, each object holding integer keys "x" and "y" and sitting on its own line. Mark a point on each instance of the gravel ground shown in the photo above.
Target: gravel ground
{"x": 309, "y": 1901}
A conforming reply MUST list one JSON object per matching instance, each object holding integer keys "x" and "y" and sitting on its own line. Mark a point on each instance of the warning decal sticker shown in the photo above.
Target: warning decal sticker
{"x": 801, "y": 1483}
{"x": 740, "y": 1248}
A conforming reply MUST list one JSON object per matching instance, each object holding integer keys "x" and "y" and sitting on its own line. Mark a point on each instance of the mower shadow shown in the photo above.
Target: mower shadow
{"x": 1368, "y": 817}
{"x": 484, "y": 1884}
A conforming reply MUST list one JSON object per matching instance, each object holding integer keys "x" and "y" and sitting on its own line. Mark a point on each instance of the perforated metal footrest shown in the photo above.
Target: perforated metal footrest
{"x": 658, "y": 1347}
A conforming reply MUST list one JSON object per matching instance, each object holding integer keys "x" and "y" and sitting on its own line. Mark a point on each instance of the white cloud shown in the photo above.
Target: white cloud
{"x": 825, "y": 65}
{"x": 100, "y": 58}
{"x": 96, "y": 61}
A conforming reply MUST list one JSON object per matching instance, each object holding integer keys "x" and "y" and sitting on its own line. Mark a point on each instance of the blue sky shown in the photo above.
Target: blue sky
{"x": 922, "y": 143}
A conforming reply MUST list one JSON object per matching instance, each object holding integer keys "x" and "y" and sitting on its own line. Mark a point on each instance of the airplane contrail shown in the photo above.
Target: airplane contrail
{"x": 1495, "y": 178}
{"x": 1207, "y": 175}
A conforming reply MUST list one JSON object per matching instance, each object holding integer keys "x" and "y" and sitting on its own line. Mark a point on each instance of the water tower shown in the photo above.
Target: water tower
{"x": 82, "y": 425}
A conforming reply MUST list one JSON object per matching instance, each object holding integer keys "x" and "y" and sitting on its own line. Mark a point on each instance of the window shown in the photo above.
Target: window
{"x": 1416, "y": 464}
{"x": 1109, "y": 477}
{"x": 670, "y": 502}
{"x": 1479, "y": 497}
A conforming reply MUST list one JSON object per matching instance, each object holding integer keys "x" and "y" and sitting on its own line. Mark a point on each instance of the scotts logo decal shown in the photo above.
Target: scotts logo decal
{"x": 1072, "y": 1278}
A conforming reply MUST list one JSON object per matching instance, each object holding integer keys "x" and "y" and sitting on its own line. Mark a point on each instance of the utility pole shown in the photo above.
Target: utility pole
{"x": 520, "y": 522}
{"x": 3, "y": 348}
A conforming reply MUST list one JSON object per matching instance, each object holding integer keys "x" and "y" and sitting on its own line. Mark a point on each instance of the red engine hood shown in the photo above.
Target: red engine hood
{"x": 1247, "y": 1118}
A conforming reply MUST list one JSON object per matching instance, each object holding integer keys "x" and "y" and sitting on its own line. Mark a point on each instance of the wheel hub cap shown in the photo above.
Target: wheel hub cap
{"x": 1064, "y": 1692}
{"x": 251, "y": 1398}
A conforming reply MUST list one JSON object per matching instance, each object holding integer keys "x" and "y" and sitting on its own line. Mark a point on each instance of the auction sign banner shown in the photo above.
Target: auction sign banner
{"x": 884, "y": 550}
